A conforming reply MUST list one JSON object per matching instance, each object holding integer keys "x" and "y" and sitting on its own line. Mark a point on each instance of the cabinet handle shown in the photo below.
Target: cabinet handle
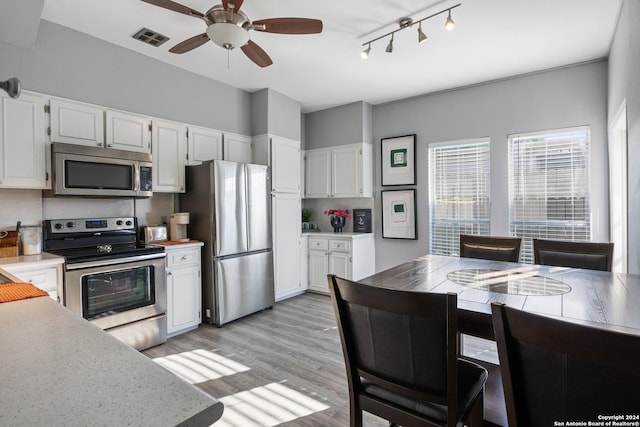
{"x": 109, "y": 145}
{"x": 169, "y": 273}
{"x": 184, "y": 258}
{"x": 99, "y": 144}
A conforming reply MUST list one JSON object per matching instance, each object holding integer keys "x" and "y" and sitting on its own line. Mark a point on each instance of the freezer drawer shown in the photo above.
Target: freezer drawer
{"x": 243, "y": 285}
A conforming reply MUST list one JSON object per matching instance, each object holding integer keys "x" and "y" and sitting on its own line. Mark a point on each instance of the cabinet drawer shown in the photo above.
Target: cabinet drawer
{"x": 318, "y": 244}
{"x": 177, "y": 258}
{"x": 340, "y": 245}
{"x": 45, "y": 279}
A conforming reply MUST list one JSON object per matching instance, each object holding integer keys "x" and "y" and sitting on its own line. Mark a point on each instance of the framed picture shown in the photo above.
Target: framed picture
{"x": 399, "y": 214}
{"x": 398, "y": 160}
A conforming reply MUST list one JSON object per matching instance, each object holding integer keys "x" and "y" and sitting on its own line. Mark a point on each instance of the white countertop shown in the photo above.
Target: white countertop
{"x": 59, "y": 369}
{"x": 332, "y": 234}
{"x": 42, "y": 260}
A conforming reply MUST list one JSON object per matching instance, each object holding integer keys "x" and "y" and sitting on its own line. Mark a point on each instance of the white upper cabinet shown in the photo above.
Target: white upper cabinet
{"x": 318, "y": 173}
{"x": 127, "y": 131}
{"x": 238, "y": 148}
{"x": 203, "y": 144}
{"x": 23, "y": 141}
{"x": 344, "y": 171}
{"x": 77, "y": 123}
{"x": 285, "y": 165}
{"x": 169, "y": 147}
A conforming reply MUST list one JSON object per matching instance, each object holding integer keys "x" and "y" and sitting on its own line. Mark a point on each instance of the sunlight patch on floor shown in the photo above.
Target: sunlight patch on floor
{"x": 200, "y": 365}
{"x": 266, "y": 406}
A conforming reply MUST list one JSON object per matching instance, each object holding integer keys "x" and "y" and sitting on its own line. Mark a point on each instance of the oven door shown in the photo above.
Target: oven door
{"x": 119, "y": 292}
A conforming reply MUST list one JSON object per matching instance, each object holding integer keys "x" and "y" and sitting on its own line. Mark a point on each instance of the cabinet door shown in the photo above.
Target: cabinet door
{"x": 77, "y": 123}
{"x": 203, "y": 144}
{"x": 43, "y": 278}
{"x": 346, "y": 172}
{"x": 286, "y": 237}
{"x": 340, "y": 264}
{"x": 127, "y": 131}
{"x": 318, "y": 270}
{"x": 318, "y": 173}
{"x": 183, "y": 298}
{"x": 285, "y": 165}
{"x": 169, "y": 146}
{"x": 22, "y": 141}
{"x": 237, "y": 148}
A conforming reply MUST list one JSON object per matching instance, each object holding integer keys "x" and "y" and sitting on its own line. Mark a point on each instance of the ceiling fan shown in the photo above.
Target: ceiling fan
{"x": 228, "y": 27}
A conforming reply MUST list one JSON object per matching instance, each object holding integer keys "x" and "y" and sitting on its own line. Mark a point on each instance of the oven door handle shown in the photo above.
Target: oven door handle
{"x": 114, "y": 261}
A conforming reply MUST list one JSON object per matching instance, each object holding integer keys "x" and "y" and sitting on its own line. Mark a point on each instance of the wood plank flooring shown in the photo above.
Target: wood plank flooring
{"x": 295, "y": 345}
{"x": 281, "y": 366}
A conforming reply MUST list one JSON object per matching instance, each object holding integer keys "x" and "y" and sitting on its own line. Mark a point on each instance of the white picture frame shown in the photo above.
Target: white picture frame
{"x": 399, "y": 214}
{"x": 399, "y": 160}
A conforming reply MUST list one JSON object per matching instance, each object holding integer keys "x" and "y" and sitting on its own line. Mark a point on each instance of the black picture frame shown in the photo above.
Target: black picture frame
{"x": 398, "y": 160}
{"x": 399, "y": 214}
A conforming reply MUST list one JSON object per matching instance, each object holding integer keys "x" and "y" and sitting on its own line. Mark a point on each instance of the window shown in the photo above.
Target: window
{"x": 549, "y": 187}
{"x": 458, "y": 193}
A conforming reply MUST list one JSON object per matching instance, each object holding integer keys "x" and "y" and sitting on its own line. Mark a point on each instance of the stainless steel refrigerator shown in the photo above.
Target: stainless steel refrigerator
{"x": 230, "y": 211}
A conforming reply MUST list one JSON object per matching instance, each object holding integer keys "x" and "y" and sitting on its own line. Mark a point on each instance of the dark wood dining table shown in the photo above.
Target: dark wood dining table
{"x": 596, "y": 298}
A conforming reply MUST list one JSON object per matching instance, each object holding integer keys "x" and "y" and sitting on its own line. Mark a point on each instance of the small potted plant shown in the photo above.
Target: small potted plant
{"x": 338, "y": 218}
{"x": 306, "y": 216}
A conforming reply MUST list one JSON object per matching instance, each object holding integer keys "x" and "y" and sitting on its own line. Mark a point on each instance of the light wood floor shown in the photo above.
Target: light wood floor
{"x": 277, "y": 367}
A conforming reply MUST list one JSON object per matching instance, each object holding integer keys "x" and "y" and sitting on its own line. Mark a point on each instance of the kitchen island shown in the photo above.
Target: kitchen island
{"x": 59, "y": 369}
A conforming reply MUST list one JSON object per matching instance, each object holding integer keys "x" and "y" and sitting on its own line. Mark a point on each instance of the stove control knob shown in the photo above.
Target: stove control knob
{"x": 71, "y": 224}
{"x": 58, "y": 226}
{"x": 129, "y": 222}
{"x": 119, "y": 222}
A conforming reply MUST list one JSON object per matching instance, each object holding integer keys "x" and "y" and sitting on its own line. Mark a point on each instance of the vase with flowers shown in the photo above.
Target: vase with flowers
{"x": 338, "y": 218}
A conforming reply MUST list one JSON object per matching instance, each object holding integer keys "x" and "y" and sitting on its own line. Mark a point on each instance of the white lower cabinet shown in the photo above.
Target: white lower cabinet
{"x": 184, "y": 288}
{"x": 43, "y": 271}
{"x": 350, "y": 256}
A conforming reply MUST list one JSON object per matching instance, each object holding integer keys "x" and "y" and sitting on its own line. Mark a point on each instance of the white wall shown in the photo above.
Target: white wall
{"x": 624, "y": 85}
{"x": 566, "y": 97}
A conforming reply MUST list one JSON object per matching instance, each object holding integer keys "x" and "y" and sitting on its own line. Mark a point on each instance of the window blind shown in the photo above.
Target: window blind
{"x": 549, "y": 187}
{"x": 459, "y": 198}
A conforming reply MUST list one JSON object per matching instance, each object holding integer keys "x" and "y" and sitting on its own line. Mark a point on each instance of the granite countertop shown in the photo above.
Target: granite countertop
{"x": 59, "y": 369}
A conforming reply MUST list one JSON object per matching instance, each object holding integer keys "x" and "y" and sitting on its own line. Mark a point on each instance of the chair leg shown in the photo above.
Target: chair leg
{"x": 476, "y": 418}
{"x": 355, "y": 415}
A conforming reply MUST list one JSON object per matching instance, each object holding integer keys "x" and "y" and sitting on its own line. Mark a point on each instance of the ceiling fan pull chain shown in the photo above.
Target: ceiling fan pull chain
{"x": 228, "y": 55}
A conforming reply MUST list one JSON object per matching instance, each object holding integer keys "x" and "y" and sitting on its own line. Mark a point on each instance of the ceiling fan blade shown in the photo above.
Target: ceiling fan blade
{"x": 236, "y": 4}
{"x": 190, "y": 44}
{"x": 176, "y": 7}
{"x": 290, "y": 25}
{"x": 256, "y": 54}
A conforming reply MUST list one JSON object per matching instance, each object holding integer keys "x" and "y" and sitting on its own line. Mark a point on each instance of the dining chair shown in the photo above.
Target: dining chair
{"x": 490, "y": 247}
{"x": 554, "y": 370}
{"x": 589, "y": 255}
{"x": 400, "y": 352}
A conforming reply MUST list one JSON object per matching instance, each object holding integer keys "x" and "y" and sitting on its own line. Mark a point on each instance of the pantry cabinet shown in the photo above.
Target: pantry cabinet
{"x": 203, "y": 144}
{"x": 169, "y": 146}
{"x": 184, "y": 287}
{"x": 23, "y": 142}
{"x": 343, "y": 171}
{"x": 350, "y": 256}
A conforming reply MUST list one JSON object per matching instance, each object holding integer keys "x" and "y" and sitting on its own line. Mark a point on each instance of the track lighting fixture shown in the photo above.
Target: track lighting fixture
{"x": 390, "y": 45}
{"x": 11, "y": 86}
{"x": 406, "y": 23}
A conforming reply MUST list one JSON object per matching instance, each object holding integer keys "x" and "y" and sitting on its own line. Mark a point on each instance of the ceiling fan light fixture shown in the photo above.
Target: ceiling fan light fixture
{"x": 389, "y": 48}
{"x": 422, "y": 37}
{"x": 449, "y": 24}
{"x": 227, "y": 35}
{"x": 365, "y": 53}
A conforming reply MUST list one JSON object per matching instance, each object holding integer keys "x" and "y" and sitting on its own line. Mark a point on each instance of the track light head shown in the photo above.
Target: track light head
{"x": 11, "y": 86}
{"x": 365, "y": 53}
{"x": 422, "y": 37}
{"x": 389, "y": 48}
{"x": 449, "y": 25}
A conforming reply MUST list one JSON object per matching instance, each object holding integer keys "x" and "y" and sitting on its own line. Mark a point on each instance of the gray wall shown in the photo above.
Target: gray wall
{"x": 275, "y": 114}
{"x": 74, "y": 65}
{"x": 346, "y": 124}
{"x": 624, "y": 84}
{"x": 566, "y": 97}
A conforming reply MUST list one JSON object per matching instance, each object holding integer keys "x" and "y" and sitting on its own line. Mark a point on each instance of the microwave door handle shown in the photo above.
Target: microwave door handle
{"x": 137, "y": 178}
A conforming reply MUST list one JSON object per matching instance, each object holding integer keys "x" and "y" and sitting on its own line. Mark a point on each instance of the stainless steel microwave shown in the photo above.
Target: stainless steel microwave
{"x": 84, "y": 171}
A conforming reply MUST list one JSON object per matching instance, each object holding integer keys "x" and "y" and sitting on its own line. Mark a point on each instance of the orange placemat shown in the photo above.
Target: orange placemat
{"x": 17, "y": 291}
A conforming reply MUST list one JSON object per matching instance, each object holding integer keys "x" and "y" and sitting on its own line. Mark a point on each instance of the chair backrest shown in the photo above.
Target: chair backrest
{"x": 490, "y": 247}
{"x": 402, "y": 341}
{"x": 554, "y": 370}
{"x": 593, "y": 256}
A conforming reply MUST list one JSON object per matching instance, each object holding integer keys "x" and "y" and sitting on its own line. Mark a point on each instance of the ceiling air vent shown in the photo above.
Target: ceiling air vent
{"x": 151, "y": 37}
